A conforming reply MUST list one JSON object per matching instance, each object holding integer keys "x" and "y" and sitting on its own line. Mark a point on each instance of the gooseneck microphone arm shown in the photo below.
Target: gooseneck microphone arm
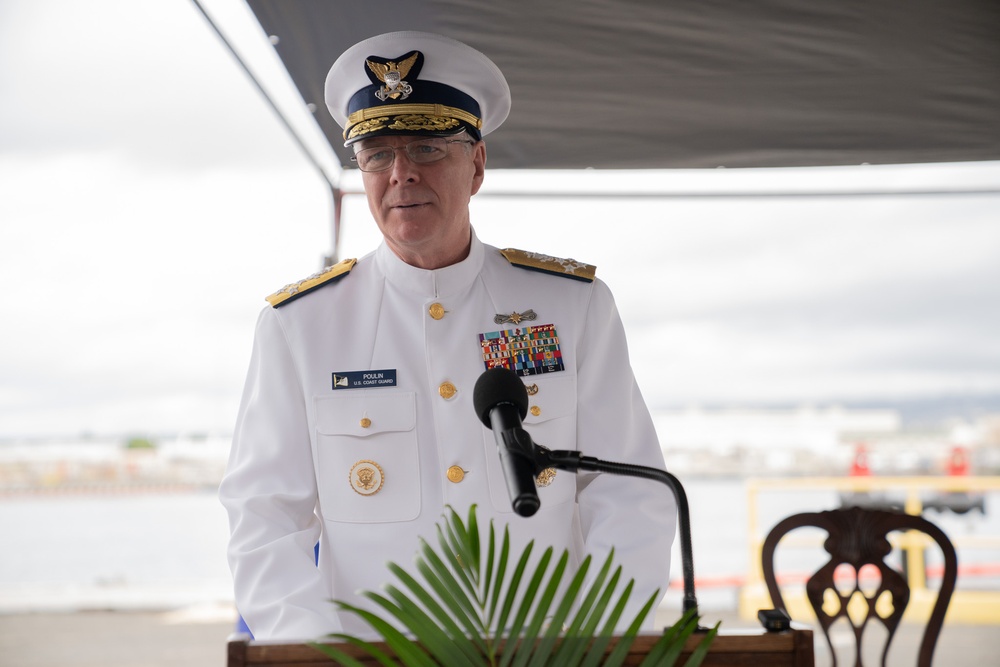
{"x": 501, "y": 402}
{"x": 573, "y": 461}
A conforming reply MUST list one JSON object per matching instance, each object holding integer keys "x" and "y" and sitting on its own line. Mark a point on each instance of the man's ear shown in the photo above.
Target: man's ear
{"x": 479, "y": 161}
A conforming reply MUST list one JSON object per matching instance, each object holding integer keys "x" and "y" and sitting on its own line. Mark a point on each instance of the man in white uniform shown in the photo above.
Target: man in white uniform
{"x": 357, "y": 426}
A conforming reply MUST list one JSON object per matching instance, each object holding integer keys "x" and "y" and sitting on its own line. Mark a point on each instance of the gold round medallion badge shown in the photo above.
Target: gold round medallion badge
{"x": 366, "y": 477}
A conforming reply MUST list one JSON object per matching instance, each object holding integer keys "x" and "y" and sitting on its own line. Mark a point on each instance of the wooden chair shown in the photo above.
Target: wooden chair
{"x": 857, "y": 537}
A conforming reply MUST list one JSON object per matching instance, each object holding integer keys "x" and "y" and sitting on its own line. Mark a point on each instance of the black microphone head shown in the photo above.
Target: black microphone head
{"x": 496, "y": 386}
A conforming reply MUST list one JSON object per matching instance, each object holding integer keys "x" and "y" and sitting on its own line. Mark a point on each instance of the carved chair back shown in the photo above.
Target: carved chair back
{"x": 858, "y": 538}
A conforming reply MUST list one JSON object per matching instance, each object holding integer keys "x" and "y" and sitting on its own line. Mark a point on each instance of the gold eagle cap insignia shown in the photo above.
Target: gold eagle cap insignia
{"x": 393, "y": 75}
{"x": 403, "y": 67}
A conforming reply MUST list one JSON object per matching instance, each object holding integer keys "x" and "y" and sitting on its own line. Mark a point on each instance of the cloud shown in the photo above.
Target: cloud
{"x": 764, "y": 300}
{"x": 148, "y": 81}
{"x": 149, "y": 201}
{"x": 131, "y": 289}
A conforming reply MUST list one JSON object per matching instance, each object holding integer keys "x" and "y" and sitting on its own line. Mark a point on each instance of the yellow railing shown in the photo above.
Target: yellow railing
{"x": 969, "y": 606}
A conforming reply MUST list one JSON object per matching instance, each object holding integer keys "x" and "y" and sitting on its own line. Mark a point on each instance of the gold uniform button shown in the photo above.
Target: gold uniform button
{"x": 545, "y": 477}
{"x": 365, "y": 422}
{"x": 455, "y": 474}
{"x": 535, "y": 410}
{"x": 436, "y": 310}
{"x": 447, "y": 390}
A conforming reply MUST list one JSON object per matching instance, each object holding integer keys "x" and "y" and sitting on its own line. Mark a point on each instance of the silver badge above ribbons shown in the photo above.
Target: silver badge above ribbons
{"x": 515, "y": 317}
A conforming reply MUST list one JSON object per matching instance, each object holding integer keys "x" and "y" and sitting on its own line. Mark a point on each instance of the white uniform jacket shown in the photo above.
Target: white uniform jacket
{"x": 292, "y": 478}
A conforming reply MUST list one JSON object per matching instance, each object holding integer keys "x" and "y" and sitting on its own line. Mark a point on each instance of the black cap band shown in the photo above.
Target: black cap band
{"x": 432, "y": 107}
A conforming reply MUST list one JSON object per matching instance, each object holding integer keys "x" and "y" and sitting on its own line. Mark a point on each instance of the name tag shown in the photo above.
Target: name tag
{"x": 364, "y": 379}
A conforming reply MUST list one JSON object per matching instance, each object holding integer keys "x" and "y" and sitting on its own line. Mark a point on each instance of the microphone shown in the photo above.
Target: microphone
{"x": 501, "y": 402}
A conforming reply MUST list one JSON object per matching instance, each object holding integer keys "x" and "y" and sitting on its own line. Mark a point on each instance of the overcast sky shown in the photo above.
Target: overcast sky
{"x": 149, "y": 200}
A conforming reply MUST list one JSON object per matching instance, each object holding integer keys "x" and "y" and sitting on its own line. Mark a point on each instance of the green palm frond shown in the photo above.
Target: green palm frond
{"x": 470, "y": 606}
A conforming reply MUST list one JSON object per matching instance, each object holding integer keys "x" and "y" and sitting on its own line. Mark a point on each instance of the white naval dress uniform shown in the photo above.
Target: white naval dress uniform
{"x": 288, "y": 483}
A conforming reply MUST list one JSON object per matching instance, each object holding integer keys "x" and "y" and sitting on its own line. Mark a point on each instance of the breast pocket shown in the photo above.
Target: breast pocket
{"x": 369, "y": 470}
{"x": 551, "y": 422}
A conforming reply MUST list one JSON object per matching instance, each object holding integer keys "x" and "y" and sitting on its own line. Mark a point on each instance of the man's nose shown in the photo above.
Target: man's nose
{"x": 403, "y": 169}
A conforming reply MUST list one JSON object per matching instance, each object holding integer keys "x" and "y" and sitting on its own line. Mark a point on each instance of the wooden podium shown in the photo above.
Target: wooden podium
{"x": 793, "y": 648}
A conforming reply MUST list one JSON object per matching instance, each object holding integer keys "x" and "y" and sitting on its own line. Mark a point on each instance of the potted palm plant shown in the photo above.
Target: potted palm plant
{"x": 472, "y": 606}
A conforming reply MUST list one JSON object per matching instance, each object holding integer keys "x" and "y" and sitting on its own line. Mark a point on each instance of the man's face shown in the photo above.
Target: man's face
{"x": 422, "y": 210}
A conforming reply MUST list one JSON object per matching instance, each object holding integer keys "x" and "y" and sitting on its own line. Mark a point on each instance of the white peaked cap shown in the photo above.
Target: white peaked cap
{"x": 415, "y": 83}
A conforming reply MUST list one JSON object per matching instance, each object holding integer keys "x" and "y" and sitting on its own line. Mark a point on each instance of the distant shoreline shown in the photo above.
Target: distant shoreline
{"x": 105, "y": 489}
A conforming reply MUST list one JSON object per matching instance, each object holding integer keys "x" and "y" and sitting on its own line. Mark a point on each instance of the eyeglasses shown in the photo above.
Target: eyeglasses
{"x": 421, "y": 151}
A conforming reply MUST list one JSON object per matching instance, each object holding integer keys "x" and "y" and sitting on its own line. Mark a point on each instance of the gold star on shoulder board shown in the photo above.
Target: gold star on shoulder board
{"x": 293, "y": 291}
{"x": 568, "y": 268}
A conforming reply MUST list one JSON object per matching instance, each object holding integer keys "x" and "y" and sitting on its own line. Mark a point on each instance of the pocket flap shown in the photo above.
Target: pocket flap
{"x": 556, "y": 397}
{"x": 365, "y": 414}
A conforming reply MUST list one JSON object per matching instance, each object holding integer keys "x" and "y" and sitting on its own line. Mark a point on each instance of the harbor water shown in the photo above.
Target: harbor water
{"x": 159, "y": 550}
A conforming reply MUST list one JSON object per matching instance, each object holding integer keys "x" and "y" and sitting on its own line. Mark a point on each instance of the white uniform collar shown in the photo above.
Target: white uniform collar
{"x": 431, "y": 283}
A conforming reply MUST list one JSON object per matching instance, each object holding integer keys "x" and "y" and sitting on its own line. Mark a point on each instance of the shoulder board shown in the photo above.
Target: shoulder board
{"x": 330, "y": 274}
{"x": 567, "y": 268}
